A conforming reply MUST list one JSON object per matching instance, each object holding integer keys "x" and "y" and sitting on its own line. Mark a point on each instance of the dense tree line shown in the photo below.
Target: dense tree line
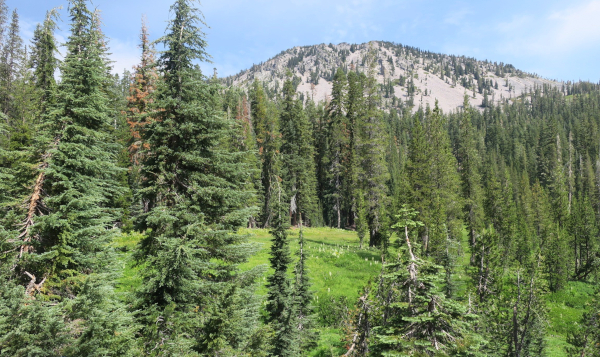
{"x": 171, "y": 153}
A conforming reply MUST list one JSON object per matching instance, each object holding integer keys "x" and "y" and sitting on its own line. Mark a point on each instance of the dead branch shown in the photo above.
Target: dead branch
{"x": 363, "y": 299}
{"x": 35, "y": 201}
{"x": 32, "y": 286}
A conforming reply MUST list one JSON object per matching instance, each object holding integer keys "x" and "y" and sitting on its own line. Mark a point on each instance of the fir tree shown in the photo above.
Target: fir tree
{"x": 354, "y": 110}
{"x": 64, "y": 241}
{"x": 431, "y": 169}
{"x": 583, "y": 228}
{"x": 297, "y": 169}
{"x": 141, "y": 91}
{"x": 43, "y": 57}
{"x": 585, "y": 341}
{"x": 245, "y": 141}
{"x": 78, "y": 172}
{"x": 469, "y": 166}
{"x": 11, "y": 60}
{"x": 266, "y": 127}
{"x": 416, "y": 316}
{"x": 281, "y": 308}
{"x": 371, "y": 152}
{"x": 337, "y": 142}
{"x": 308, "y": 334}
{"x": 193, "y": 298}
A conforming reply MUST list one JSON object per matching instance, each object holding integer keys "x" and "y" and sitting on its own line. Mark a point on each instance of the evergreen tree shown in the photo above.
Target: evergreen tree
{"x": 43, "y": 57}
{"x": 354, "y": 110}
{"x": 281, "y": 307}
{"x": 77, "y": 175}
{"x": 141, "y": 95}
{"x": 337, "y": 142}
{"x": 435, "y": 184}
{"x": 297, "y": 169}
{"x": 64, "y": 240}
{"x": 245, "y": 141}
{"x": 469, "y": 166}
{"x": 417, "y": 172}
{"x": 3, "y": 19}
{"x": 584, "y": 228}
{"x": 373, "y": 174}
{"x": 11, "y": 61}
{"x": 500, "y": 209}
{"x": 416, "y": 317}
{"x": 515, "y": 319}
{"x": 308, "y": 334}
{"x": 193, "y": 298}
{"x": 358, "y": 326}
{"x": 266, "y": 128}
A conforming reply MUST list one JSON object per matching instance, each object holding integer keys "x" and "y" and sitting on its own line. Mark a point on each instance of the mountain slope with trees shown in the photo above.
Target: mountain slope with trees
{"x": 406, "y": 74}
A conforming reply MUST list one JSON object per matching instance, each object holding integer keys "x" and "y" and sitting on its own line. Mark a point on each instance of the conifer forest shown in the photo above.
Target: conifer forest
{"x": 170, "y": 212}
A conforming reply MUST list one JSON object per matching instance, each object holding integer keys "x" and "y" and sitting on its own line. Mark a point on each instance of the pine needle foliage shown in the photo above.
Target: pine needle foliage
{"x": 281, "y": 310}
{"x": 308, "y": 334}
{"x": 417, "y": 319}
{"x": 78, "y": 176}
{"x": 298, "y": 166}
{"x": 194, "y": 202}
{"x": 68, "y": 307}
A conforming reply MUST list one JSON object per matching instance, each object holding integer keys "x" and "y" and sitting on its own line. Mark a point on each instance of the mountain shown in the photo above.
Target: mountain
{"x": 406, "y": 74}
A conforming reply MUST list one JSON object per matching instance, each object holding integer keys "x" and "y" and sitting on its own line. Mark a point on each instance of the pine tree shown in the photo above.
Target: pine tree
{"x": 297, "y": 169}
{"x": 11, "y": 61}
{"x": 193, "y": 297}
{"x": 281, "y": 307}
{"x": 65, "y": 259}
{"x": 371, "y": 153}
{"x": 416, "y": 316}
{"x": 337, "y": 142}
{"x": 308, "y": 334}
{"x": 469, "y": 166}
{"x": 266, "y": 128}
{"x": 141, "y": 91}
{"x": 43, "y": 57}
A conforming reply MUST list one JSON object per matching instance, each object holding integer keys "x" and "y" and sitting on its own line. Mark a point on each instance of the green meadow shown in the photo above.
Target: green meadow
{"x": 339, "y": 270}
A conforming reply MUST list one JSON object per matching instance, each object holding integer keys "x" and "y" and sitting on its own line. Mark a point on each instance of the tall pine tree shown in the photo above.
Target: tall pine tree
{"x": 193, "y": 298}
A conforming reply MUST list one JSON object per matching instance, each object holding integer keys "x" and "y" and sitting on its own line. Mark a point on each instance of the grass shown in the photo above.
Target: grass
{"x": 565, "y": 309}
{"x": 338, "y": 270}
{"x": 130, "y": 278}
{"x": 336, "y": 264}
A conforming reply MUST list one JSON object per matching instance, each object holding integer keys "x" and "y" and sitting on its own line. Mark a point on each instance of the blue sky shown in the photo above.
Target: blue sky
{"x": 555, "y": 39}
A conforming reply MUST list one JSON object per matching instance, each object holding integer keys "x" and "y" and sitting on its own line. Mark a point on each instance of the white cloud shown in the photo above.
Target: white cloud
{"x": 570, "y": 29}
{"x": 457, "y": 17}
{"x": 578, "y": 26}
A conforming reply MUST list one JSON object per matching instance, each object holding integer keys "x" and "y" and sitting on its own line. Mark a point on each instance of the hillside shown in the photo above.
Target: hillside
{"x": 406, "y": 73}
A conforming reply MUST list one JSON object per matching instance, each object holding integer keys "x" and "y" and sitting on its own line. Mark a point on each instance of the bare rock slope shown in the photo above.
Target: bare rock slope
{"x": 406, "y": 74}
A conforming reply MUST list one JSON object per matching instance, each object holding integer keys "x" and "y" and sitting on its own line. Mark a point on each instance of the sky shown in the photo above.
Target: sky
{"x": 555, "y": 39}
